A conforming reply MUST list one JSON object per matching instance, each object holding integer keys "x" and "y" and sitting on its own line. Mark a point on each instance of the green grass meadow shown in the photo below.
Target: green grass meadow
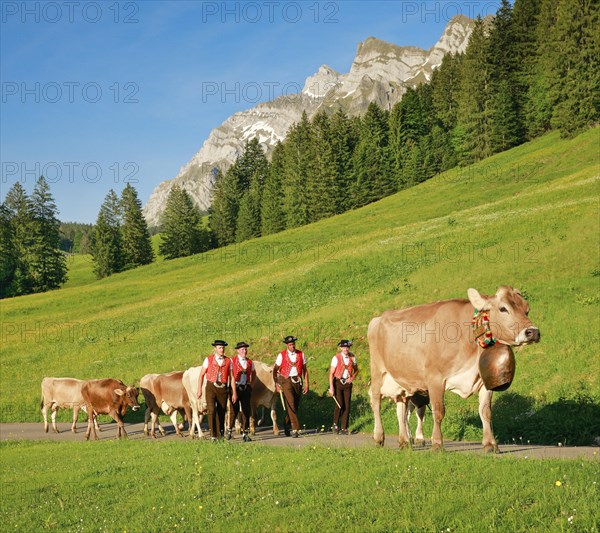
{"x": 528, "y": 218}
{"x": 191, "y": 486}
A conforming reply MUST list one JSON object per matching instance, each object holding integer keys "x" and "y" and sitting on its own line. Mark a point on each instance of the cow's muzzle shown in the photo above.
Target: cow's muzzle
{"x": 528, "y": 336}
{"x": 532, "y": 335}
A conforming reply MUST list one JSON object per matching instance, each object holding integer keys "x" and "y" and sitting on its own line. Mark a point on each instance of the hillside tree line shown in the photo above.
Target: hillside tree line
{"x": 531, "y": 69}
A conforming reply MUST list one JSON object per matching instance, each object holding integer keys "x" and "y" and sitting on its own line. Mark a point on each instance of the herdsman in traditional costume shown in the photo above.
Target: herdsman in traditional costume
{"x": 216, "y": 369}
{"x": 291, "y": 377}
{"x": 242, "y": 379}
{"x": 342, "y": 372}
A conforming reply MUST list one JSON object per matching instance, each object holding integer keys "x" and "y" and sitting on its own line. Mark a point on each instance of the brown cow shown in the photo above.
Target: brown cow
{"x": 263, "y": 393}
{"x": 432, "y": 348}
{"x": 108, "y": 397}
{"x": 62, "y": 393}
{"x": 166, "y": 392}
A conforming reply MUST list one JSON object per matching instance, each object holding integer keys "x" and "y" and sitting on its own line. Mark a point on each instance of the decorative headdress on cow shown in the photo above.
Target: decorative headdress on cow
{"x": 480, "y": 324}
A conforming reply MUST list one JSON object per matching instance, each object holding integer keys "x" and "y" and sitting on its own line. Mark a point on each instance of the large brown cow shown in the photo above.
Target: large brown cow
{"x": 432, "y": 348}
{"x": 62, "y": 393}
{"x": 166, "y": 392}
{"x": 108, "y": 397}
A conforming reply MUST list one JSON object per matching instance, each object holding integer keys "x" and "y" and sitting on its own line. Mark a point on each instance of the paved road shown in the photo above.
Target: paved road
{"x": 264, "y": 436}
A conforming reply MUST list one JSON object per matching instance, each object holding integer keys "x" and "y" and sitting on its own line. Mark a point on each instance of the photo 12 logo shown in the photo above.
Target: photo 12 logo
{"x": 255, "y": 12}
{"x": 69, "y": 12}
{"x": 70, "y": 92}
{"x": 72, "y": 171}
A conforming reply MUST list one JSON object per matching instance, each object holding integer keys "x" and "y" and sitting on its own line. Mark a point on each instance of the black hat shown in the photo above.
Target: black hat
{"x": 289, "y": 339}
{"x": 241, "y": 345}
{"x": 219, "y": 343}
{"x": 344, "y": 342}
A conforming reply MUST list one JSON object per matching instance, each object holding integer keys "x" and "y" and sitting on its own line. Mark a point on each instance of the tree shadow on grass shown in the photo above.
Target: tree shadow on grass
{"x": 518, "y": 419}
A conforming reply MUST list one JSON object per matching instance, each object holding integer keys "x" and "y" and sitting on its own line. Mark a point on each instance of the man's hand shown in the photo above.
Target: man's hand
{"x": 277, "y": 388}
{"x": 200, "y": 394}
{"x": 305, "y": 388}
{"x": 331, "y": 391}
{"x": 234, "y": 398}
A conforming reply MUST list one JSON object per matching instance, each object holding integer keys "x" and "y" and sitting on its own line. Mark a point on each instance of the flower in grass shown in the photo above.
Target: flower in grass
{"x": 558, "y": 483}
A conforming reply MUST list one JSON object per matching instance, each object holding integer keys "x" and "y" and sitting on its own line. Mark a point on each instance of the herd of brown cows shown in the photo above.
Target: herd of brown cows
{"x": 169, "y": 393}
{"x": 416, "y": 355}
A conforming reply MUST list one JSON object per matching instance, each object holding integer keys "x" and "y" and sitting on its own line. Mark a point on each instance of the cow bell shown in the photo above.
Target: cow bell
{"x": 497, "y": 367}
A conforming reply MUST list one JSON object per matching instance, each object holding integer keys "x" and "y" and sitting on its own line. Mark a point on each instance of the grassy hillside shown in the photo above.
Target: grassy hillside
{"x": 527, "y": 218}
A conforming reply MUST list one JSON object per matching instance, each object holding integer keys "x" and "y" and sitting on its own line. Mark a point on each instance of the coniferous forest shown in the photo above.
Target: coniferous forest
{"x": 531, "y": 69}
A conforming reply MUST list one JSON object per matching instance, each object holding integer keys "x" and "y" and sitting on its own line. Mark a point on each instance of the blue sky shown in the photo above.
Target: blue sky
{"x": 98, "y": 93}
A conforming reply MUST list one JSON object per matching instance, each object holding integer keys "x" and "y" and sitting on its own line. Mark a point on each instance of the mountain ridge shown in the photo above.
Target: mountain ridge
{"x": 380, "y": 73}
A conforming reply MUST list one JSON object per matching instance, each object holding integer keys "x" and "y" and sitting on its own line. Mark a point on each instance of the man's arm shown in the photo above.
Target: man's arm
{"x": 305, "y": 377}
{"x": 331, "y": 373}
{"x": 201, "y": 381}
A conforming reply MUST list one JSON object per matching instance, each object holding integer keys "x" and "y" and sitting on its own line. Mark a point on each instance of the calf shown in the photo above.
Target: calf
{"x": 166, "y": 392}
{"x": 108, "y": 397}
{"x": 62, "y": 393}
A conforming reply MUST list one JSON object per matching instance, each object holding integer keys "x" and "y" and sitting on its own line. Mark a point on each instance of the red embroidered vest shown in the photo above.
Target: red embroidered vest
{"x": 212, "y": 372}
{"x": 286, "y": 363}
{"x": 238, "y": 370}
{"x": 339, "y": 369}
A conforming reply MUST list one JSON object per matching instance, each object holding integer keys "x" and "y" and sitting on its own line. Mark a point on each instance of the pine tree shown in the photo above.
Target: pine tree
{"x": 322, "y": 187}
{"x": 543, "y": 93}
{"x": 222, "y": 216}
{"x": 137, "y": 247}
{"x": 48, "y": 263}
{"x": 343, "y": 140}
{"x": 525, "y": 21}
{"x": 506, "y": 128}
{"x": 372, "y": 167}
{"x": 182, "y": 231}
{"x": 272, "y": 218}
{"x": 8, "y": 253}
{"x": 473, "y": 124}
{"x": 299, "y": 162}
{"x": 107, "y": 246}
{"x": 445, "y": 87}
{"x": 18, "y": 206}
{"x": 248, "y": 221}
{"x": 577, "y": 66}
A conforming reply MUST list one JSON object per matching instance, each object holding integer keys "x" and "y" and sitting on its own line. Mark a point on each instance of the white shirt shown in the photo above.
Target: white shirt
{"x": 346, "y": 359}
{"x": 292, "y": 356}
{"x": 244, "y": 365}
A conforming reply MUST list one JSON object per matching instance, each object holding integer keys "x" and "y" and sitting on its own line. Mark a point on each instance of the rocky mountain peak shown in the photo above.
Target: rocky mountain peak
{"x": 380, "y": 73}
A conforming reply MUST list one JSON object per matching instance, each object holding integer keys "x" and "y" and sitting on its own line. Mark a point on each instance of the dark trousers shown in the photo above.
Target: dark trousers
{"x": 292, "y": 393}
{"x": 216, "y": 402}
{"x": 343, "y": 394}
{"x": 243, "y": 403}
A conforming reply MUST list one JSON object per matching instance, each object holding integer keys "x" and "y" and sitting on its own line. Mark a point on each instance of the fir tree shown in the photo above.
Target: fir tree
{"x": 272, "y": 217}
{"x": 8, "y": 253}
{"x": 299, "y": 162}
{"x": 182, "y": 232}
{"x": 506, "y": 128}
{"x": 18, "y": 206}
{"x": 473, "y": 126}
{"x": 248, "y": 221}
{"x": 137, "y": 247}
{"x": 577, "y": 66}
{"x": 373, "y": 175}
{"x": 107, "y": 246}
{"x": 48, "y": 263}
{"x": 223, "y": 213}
{"x": 343, "y": 140}
{"x": 322, "y": 188}
{"x": 543, "y": 94}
